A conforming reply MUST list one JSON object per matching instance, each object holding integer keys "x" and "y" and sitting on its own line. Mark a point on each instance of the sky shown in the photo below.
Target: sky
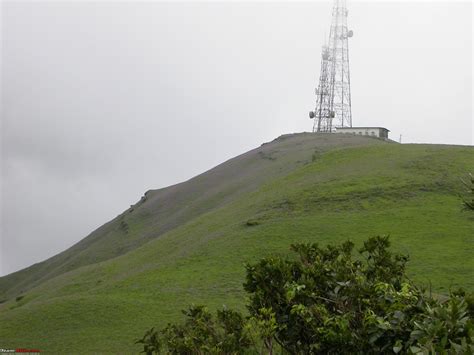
{"x": 104, "y": 100}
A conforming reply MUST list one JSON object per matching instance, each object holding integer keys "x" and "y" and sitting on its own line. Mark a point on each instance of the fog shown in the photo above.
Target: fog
{"x": 101, "y": 101}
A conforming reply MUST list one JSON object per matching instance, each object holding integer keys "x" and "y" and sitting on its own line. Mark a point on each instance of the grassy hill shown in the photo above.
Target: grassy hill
{"x": 187, "y": 243}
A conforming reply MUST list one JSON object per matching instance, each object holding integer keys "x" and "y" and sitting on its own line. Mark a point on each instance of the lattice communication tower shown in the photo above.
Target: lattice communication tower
{"x": 333, "y": 95}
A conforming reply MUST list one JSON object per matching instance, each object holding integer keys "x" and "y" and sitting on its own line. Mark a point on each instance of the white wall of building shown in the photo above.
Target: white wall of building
{"x": 365, "y": 131}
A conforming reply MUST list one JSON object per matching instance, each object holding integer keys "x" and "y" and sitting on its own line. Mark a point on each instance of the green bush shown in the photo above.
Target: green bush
{"x": 200, "y": 334}
{"x": 326, "y": 301}
{"x": 469, "y": 199}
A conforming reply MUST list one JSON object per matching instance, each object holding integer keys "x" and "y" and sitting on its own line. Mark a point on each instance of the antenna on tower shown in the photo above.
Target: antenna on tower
{"x": 333, "y": 95}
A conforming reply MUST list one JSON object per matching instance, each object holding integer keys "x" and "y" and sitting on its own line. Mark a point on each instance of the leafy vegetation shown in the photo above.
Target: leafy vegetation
{"x": 327, "y": 302}
{"x": 201, "y": 334}
{"x": 469, "y": 200}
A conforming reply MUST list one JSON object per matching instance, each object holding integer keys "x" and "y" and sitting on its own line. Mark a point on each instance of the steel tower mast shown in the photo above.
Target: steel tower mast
{"x": 333, "y": 95}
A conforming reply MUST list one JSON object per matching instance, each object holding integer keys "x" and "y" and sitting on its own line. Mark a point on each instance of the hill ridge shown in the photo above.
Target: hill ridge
{"x": 176, "y": 203}
{"x": 299, "y": 188}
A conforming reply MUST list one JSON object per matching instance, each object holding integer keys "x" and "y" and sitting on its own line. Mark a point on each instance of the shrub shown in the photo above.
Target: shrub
{"x": 201, "y": 333}
{"x": 252, "y": 223}
{"x": 469, "y": 199}
{"x": 328, "y": 302}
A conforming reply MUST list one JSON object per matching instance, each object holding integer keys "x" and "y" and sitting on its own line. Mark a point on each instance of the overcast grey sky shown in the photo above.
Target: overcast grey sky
{"x": 102, "y": 101}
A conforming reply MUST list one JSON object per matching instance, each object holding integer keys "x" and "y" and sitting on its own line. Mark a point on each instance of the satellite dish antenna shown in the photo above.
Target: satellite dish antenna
{"x": 311, "y": 115}
{"x": 350, "y": 34}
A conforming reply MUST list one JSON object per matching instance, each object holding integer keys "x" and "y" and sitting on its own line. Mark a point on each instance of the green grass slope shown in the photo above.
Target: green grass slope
{"x": 188, "y": 243}
{"x": 159, "y": 211}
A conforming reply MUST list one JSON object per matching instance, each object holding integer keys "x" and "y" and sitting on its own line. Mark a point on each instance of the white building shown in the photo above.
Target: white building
{"x": 378, "y": 132}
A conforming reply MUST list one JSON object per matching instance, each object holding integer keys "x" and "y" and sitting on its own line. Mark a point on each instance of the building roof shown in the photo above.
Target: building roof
{"x": 362, "y": 128}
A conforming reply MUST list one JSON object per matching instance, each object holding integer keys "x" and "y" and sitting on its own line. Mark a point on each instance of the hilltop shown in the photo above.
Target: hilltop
{"x": 187, "y": 243}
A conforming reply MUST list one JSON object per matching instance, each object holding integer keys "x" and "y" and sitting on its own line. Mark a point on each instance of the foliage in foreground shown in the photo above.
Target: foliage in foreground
{"x": 327, "y": 302}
